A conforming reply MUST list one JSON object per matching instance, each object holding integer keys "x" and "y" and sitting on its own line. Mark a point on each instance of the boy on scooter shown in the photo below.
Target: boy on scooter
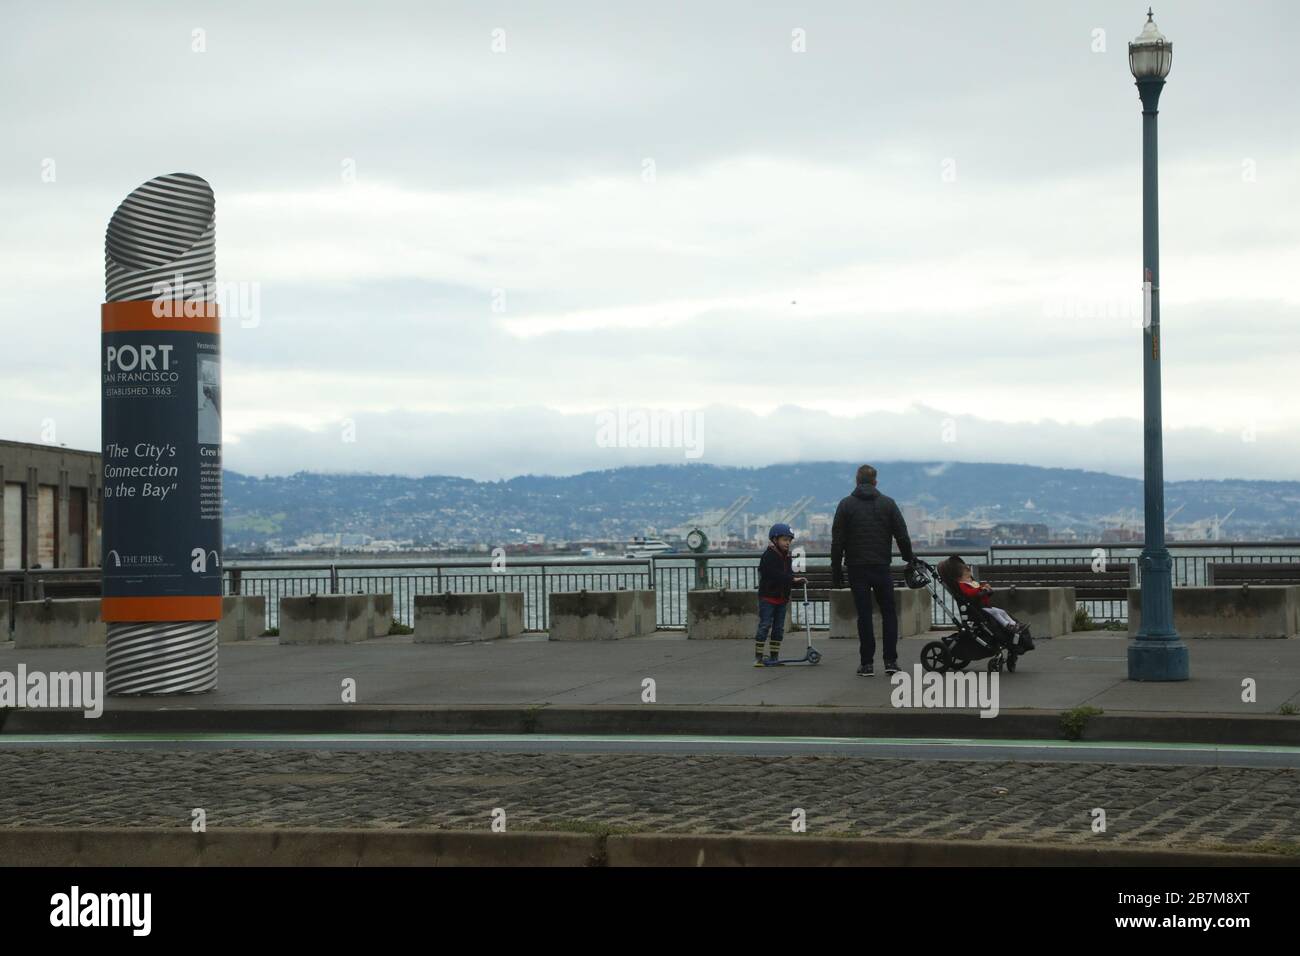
{"x": 775, "y": 579}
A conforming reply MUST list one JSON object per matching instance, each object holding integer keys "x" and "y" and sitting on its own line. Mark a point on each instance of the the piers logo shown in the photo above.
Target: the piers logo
{"x": 75, "y": 909}
{"x": 135, "y": 560}
{"x": 954, "y": 689}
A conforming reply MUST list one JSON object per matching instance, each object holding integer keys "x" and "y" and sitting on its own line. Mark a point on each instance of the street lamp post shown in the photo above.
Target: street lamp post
{"x": 1156, "y": 654}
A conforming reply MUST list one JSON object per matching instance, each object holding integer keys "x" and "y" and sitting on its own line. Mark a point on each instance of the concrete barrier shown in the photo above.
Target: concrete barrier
{"x": 912, "y": 607}
{"x": 243, "y": 617}
{"x": 381, "y": 614}
{"x": 1049, "y": 612}
{"x": 1246, "y": 611}
{"x": 58, "y": 622}
{"x": 470, "y": 616}
{"x": 601, "y": 615}
{"x": 724, "y": 615}
{"x": 334, "y": 618}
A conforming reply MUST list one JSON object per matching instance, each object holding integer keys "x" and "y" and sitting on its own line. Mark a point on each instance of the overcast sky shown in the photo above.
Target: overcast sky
{"x": 487, "y": 239}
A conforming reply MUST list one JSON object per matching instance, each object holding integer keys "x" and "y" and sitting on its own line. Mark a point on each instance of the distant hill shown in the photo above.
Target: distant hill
{"x": 619, "y": 503}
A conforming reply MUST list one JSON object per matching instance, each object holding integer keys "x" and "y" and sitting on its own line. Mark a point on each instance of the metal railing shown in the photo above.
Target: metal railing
{"x": 535, "y": 579}
{"x": 671, "y": 576}
{"x": 1189, "y": 568}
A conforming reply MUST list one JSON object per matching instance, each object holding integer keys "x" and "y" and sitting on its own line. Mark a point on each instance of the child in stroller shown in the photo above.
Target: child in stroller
{"x": 982, "y": 631}
{"x": 956, "y": 574}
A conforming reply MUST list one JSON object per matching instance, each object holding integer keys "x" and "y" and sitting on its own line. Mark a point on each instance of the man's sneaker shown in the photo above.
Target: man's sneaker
{"x": 892, "y": 667}
{"x": 866, "y": 670}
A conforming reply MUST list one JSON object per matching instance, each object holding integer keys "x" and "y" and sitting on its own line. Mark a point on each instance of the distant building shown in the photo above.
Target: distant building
{"x": 1019, "y": 532}
{"x": 1003, "y": 533}
{"x": 967, "y": 537}
{"x": 52, "y": 502}
{"x": 933, "y": 531}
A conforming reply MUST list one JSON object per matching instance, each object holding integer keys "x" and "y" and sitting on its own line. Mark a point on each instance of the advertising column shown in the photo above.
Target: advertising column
{"x": 160, "y": 369}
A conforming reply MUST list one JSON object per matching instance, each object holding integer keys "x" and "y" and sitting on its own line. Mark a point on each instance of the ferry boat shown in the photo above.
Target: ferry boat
{"x": 648, "y": 548}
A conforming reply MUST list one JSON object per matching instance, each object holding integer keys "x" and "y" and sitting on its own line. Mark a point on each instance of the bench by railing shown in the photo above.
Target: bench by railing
{"x": 1257, "y": 573}
{"x": 1091, "y": 583}
{"x": 820, "y": 580}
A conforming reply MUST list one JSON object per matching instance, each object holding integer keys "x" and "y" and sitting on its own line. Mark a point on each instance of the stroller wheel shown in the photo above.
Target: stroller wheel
{"x": 934, "y": 656}
{"x": 995, "y": 664}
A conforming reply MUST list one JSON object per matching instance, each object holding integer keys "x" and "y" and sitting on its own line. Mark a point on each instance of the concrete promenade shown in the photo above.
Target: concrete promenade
{"x": 1060, "y": 674}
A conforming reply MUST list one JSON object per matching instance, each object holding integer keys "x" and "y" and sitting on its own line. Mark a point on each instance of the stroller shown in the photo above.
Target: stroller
{"x": 977, "y": 636}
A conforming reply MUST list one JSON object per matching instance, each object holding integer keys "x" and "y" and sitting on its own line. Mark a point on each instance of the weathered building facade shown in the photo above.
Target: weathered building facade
{"x": 50, "y": 514}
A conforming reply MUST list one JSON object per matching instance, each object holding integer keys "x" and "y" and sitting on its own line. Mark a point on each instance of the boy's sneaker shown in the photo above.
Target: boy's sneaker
{"x": 892, "y": 668}
{"x": 758, "y": 661}
{"x": 866, "y": 670}
{"x": 773, "y": 657}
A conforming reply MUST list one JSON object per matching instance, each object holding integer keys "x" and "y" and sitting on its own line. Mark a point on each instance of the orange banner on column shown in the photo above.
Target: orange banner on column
{"x": 119, "y": 609}
{"x": 160, "y": 315}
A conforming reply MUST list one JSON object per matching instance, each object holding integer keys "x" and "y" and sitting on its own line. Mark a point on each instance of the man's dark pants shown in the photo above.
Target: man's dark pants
{"x": 866, "y": 580}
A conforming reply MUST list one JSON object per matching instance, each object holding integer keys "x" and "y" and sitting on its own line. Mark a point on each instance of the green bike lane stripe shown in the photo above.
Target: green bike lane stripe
{"x": 643, "y": 739}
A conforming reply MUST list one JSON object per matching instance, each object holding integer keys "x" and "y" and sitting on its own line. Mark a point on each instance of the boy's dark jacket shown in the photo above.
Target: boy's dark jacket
{"x": 775, "y": 574}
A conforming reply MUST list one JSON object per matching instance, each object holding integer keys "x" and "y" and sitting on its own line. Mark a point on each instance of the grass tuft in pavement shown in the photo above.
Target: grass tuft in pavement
{"x": 1074, "y": 721}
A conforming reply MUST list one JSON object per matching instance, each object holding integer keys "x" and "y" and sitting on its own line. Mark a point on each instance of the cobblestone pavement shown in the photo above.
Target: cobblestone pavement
{"x": 1037, "y": 802}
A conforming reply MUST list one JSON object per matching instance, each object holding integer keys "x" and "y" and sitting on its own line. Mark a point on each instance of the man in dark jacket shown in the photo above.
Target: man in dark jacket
{"x": 866, "y": 523}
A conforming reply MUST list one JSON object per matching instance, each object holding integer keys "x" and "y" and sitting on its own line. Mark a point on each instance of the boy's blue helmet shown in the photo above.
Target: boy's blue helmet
{"x": 780, "y": 530}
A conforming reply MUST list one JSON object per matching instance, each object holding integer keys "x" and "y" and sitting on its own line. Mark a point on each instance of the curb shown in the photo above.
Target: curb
{"x": 656, "y": 719}
{"x": 166, "y": 847}
{"x": 163, "y": 846}
{"x": 660, "y": 849}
